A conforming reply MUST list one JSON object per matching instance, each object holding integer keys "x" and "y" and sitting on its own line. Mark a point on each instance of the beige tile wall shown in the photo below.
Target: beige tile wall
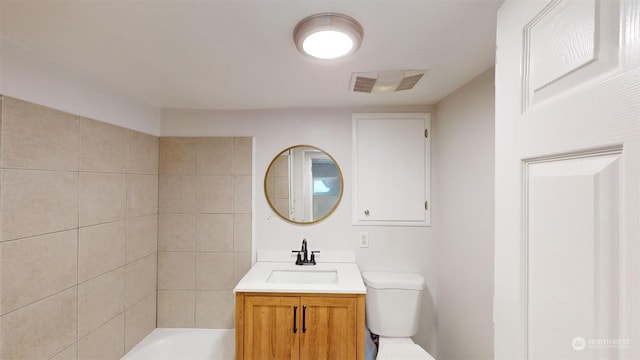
{"x": 204, "y": 229}
{"x": 78, "y": 243}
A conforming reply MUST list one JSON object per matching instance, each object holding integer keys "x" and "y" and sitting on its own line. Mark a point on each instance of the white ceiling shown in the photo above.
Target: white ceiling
{"x": 240, "y": 54}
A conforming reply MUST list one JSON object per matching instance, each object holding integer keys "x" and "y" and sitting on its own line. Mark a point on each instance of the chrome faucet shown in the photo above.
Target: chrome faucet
{"x": 303, "y": 255}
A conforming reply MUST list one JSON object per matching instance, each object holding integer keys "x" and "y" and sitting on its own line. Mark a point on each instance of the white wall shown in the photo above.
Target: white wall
{"x": 27, "y": 75}
{"x": 463, "y": 204}
{"x": 390, "y": 248}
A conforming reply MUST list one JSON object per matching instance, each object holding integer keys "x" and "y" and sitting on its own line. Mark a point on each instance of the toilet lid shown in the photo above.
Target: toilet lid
{"x": 392, "y": 280}
{"x": 403, "y": 352}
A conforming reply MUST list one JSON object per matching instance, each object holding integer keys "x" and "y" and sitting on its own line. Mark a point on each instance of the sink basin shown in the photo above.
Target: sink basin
{"x": 303, "y": 277}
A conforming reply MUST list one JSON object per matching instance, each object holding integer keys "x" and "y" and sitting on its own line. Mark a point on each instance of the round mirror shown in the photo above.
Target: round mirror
{"x": 303, "y": 184}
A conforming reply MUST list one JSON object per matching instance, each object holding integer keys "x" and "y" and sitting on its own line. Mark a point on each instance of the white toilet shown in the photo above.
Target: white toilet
{"x": 393, "y": 303}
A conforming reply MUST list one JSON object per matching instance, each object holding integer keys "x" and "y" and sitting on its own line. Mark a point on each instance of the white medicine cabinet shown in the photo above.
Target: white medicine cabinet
{"x": 391, "y": 169}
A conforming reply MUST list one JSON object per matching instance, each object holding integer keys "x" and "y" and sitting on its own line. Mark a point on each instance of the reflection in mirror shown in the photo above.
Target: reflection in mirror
{"x": 303, "y": 184}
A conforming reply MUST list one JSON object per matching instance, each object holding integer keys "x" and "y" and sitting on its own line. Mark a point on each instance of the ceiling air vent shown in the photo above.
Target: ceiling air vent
{"x": 385, "y": 81}
{"x": 364, "y": 84}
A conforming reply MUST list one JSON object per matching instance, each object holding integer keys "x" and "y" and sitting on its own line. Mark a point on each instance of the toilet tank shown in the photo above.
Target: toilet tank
{"x": 393, "y": 302}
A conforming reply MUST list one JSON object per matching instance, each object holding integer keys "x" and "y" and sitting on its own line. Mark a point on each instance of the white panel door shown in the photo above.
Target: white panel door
{"x": 567, "y": 246}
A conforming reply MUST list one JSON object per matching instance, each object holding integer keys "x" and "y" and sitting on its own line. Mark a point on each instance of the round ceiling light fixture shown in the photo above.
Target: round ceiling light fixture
{"x": 328, "y": 36}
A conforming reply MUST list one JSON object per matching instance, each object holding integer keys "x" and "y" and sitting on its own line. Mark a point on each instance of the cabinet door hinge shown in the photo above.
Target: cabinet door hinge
{"x": 426, "y": 205}
{"x": 426, "y": 133}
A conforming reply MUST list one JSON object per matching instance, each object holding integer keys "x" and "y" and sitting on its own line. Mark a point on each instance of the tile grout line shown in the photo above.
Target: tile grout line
{"x": 155, "y": 324}
{"x": 72, "y": 228}
{"x": 65, "y": 349}
{"x": 195, "y": 210}
{"x": 234, "y": 171}
{"x": 39, "y": 300}
{"x": 126, "y": 242}
{"x": 78, "y": 238}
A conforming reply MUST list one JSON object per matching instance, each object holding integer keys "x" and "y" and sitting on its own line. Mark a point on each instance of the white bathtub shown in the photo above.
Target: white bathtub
{"x": 170, "y": 344}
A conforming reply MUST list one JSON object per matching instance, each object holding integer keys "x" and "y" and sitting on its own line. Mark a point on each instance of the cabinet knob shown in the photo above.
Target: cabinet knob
{"x": 366, "y": 212}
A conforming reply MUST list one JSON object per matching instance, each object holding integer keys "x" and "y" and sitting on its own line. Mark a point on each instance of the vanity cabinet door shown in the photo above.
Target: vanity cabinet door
{"x": 328, "y": 328}
{"x": 270, "y": 331}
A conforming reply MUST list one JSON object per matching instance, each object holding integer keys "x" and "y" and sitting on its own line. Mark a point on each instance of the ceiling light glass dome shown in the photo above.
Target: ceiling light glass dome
{"x": 328, "y": 36}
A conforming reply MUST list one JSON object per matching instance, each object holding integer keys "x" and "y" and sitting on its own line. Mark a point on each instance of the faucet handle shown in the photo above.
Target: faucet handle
{"x": 313, "y": 256}
{"x": 298, "y": 258}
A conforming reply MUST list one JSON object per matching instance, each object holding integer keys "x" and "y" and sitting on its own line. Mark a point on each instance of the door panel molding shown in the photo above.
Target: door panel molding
{"x": 598, "y": 171}
{"x": 568, "y": 44}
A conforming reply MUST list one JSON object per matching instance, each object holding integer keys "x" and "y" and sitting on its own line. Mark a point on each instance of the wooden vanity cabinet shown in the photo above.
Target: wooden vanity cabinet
{"x": 299, "y": 326}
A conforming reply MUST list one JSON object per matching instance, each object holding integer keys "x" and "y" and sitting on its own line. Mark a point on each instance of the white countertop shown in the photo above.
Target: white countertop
{"x": 349, "y": 278}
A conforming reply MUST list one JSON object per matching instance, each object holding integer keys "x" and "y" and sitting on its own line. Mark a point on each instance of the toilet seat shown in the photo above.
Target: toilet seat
{"x": 401, "y": 349}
